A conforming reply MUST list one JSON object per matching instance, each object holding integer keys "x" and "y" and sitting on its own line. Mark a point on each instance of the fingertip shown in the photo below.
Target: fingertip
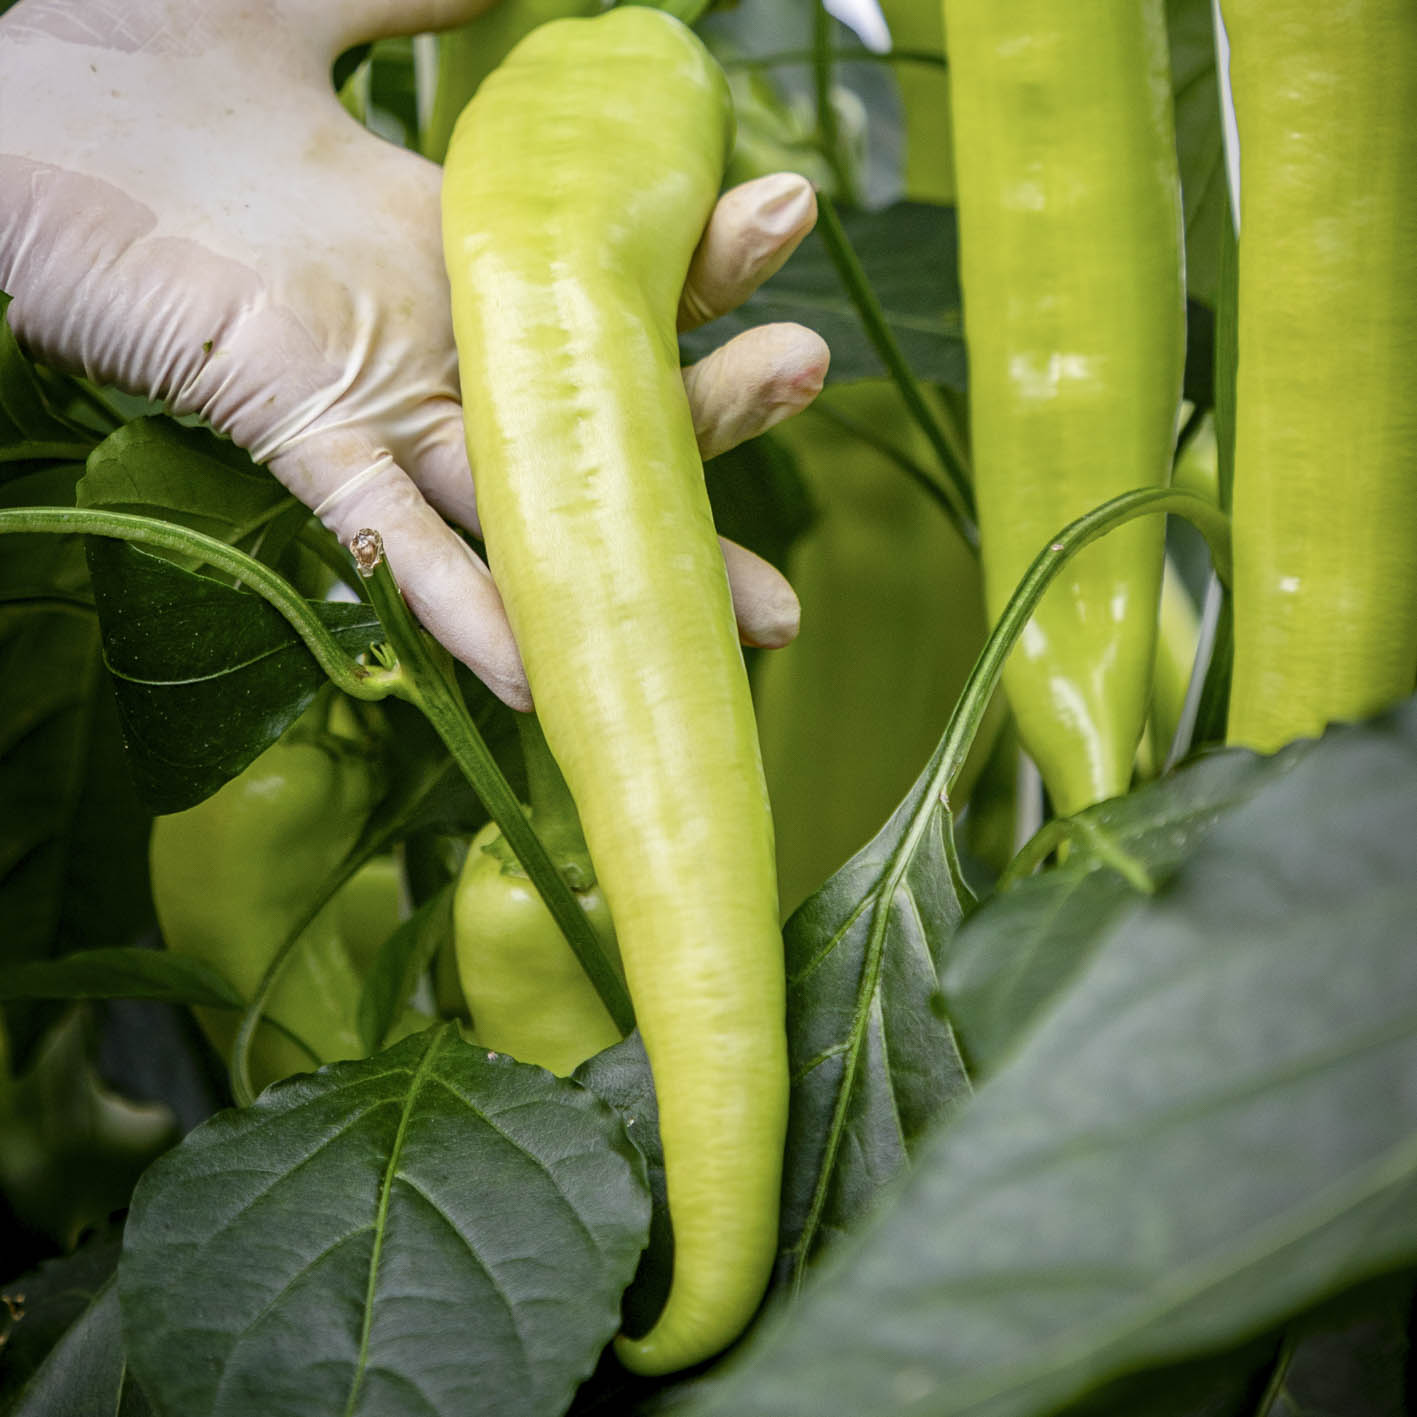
{"x": 753, "y": 230}
{"x": 753, "y": 382}
{"x": 765, "y": 606}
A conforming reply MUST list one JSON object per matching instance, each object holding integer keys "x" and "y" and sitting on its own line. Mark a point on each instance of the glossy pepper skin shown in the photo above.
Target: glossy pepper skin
{"x": 234, "y": 874}
{"x": 526, "y": 990}
{"x": 1324, "y": 514}
{"x": 1071, "y": 268}
{"x": 577, "y": 185}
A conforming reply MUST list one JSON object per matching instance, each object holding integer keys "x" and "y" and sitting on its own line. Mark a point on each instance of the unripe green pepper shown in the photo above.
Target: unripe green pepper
{"x": 577, "y": 185}
{"x": 232, "y": 876}
{"x": 528, "y": 995}
{"x": 1324, "y": 514}
{"x": 525, "y": 988}
{"x": 1070, "y": 264}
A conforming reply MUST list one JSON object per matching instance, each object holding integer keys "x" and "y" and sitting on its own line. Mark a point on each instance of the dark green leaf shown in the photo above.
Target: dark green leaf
{"x": 873, "y": 1061}
{"x": 1211, "y": 1128}
{"x": 621, "y": 1077}
{"x": 40, "y": 1306}
{"x": 1228, "y": 1384}
{"x": 158, "y": 468}
{"x": 909, "y": 252}
{"x": 31, "y": 429}
{"x": 1349, "y": 1358}
{"x": 84, "y": 1374}
{"x": 133, "y": 973}
{"x": 206, "y": 676}
{"x": 1021, "y": 948}
{"x": 73, "y": 834}
{"x": 427, "y": 1230}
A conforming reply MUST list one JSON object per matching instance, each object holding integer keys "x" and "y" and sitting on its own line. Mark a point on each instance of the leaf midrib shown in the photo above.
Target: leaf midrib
{"x": 381, "y": 1219}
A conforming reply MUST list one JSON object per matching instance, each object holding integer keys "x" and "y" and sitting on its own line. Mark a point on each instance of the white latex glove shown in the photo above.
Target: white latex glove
{"x": 186, "y": 212}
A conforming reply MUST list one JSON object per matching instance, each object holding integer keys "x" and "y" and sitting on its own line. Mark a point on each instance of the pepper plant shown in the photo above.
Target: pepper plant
{"x": 1100, "y": 1082}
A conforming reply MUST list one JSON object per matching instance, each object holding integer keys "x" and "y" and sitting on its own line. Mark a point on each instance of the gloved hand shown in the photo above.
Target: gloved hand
{"x": 186, "y": 212}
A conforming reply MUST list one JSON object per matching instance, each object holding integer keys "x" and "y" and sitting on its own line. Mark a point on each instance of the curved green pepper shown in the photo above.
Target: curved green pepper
{"x": 1070, "y": 247}
{"x": 1324, "y": 514}
{"x": 578, "y": 183}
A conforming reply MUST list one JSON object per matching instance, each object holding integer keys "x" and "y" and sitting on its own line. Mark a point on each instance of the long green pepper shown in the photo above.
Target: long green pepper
{"x": 1071, "y": 266}
{"x": 1325, "y": 492}
{"x": 577, "y": 185}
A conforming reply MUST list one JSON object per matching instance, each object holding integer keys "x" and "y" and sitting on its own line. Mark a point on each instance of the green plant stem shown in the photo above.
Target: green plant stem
{"x": 1032, "y": 854}
{"x": 347, "y": 674}
{"x": 429, "y": 685}
{"x": 950, "y": 755}
{"x": 858, "y": 287}
{"x": 828, "y": 130}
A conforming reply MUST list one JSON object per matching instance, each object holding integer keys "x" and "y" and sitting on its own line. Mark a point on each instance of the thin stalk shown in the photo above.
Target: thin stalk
{"x": 1213, "y": 524}
{"x": 882, "y": 337}
{"x": 1032, "y": 854}
{"x": 828, "y": 130}
{"x": 347, "y": 674}
{"x": 428, "y": 684}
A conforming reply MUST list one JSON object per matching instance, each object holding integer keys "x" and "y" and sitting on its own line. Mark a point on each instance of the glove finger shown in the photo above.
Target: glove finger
{"x": 754, "y": 228}
{"x": 438, "y": 465}
{"x": 447, "y": 587}
{"x": 757, "y": 379}
{"x": 764, "y": 604}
